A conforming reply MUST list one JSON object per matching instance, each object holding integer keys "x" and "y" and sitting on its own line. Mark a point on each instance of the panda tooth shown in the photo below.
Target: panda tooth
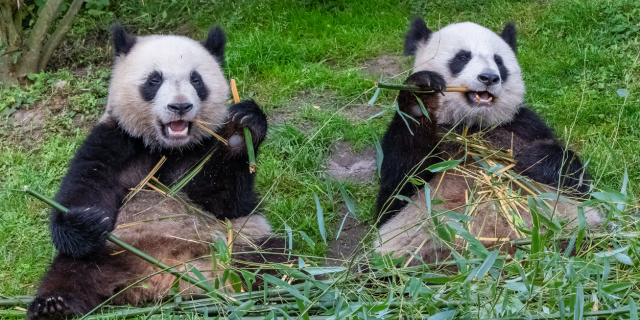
{"x": 183, "y": 132}
{"x": 490, "y": 99}
{"x": 477, "y": 97}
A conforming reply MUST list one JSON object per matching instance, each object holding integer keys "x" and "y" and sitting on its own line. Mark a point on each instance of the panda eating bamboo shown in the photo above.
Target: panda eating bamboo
{"x": 469, "y": 55}
{"x": 164, "y": 88}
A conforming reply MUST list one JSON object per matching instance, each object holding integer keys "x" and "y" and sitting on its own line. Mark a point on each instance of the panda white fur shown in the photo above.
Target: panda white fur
{"x": 160, "y": 86}
{"x": 466, "y": 54}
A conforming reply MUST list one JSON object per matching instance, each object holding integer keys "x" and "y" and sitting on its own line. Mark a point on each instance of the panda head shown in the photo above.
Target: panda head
{"x": 162, "y": 84}
{"x": 470, "y": 55}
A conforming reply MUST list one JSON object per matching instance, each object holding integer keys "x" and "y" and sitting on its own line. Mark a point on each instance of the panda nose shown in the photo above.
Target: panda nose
{"x": 489, "y": 78}
{"x": 180, "y": 108}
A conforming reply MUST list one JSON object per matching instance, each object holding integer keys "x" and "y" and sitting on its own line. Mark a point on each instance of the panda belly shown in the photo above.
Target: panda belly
{"x": 412, "y": 230}
{"x": 174, "y": 241}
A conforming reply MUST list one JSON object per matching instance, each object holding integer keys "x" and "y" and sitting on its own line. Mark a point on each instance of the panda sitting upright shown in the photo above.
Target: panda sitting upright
{"x": 465, "y": 54}
{"x": 160, "y": 86}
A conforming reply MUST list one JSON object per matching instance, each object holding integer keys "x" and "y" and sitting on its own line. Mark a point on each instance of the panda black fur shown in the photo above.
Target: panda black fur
{"x": 465, "y": 54}
{"x": 160, "y": 85}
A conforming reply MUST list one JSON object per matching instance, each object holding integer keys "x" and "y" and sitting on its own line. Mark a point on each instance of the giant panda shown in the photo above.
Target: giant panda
{"x": 465, "y": 54}
{"x": 161, "y": 85}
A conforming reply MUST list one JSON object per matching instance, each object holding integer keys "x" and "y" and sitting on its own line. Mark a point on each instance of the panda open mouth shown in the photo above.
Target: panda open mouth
{"x": 177, "y": 129}
{"x": 480, "y": 97}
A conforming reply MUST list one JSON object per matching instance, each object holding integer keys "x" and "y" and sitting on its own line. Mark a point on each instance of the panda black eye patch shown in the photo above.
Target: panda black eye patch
{"x": 504, "y": 73}
{"x": 198, "y": 84}
{"x": 151, "y": 86}
{"x": 459, "y": 61}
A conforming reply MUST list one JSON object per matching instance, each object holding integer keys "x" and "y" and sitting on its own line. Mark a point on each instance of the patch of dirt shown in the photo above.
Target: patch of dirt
{"x": 31, "y": 119}
{"x": 361, "y": 112}
{"x": 386, "y": 66}
{"x": 353, "y": 232}
{"x": 30, "y": 127}
{"x": 344, "y": 164}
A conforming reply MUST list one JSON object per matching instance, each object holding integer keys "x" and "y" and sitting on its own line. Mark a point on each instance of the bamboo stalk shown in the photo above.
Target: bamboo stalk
{"x": 250, "y": 151}
{"x": 247, "y": 134}
{"x": 416, "y": 89}
{"x": 179, "y": 274}
{"x": 15, "y": 302}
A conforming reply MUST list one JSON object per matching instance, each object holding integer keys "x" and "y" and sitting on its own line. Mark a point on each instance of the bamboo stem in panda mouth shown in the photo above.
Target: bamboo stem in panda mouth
{"x": 417, "y": 89}
{"x": 247, "y": 134}
{"x": 178, "y": 274}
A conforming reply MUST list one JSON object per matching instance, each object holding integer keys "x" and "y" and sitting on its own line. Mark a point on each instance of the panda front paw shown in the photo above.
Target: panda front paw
{"x": 247, "y": 114}
{"x": 81, "y": 233}
{"x": 56, "y": 306}
{"x": 427, "y": 81}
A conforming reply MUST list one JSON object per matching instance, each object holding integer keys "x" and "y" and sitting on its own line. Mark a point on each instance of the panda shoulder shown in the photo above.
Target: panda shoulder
{"x": 110, "y": 137}
{"x": 528, "y": 124}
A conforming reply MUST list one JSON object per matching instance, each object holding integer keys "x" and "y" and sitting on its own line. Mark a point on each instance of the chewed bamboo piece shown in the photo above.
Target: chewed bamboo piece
{"x": 416, "y": 88}
{"x": 247, "y": 134}
{"x": 201, "y": 125}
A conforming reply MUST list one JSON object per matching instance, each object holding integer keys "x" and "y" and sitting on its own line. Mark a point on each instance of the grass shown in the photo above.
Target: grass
{"x": 293, "y": 55}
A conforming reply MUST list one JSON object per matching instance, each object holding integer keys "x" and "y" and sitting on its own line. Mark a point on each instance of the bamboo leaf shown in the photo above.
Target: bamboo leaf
{"x": 236, "y": 282}
{"x": 308, "y": 240}
{"x": 488, "y": 263}
{"x": 320, "y": 215}
{"x": 287, "y": 229}
{"x": 424, "y": 110}
{"x": 535, "y": 231}
{"x": 633, "y": 310}
{"x": 347, "y": 200}
{"x": 475, "y": 246}
{"x": 414, "y": 287}
{"x": 249, "y": 279}
{"x": 375, "y": 115}
{"x": 375, "y": 97}
{"x": 241, "y": 310}
{"x": 623, "y": 191}
{"x": 275, "y": 281}
{"x": 578, "y": 308}
{"x": 445, "y": 315}
{"x": 444, "y": 166}
{"x": 397, "y": 108}
{"x": 623, "y": 258}
{"x": 201, "y": 277}
{"x": 427, "y": 196}
{"x": 582, "y": 225}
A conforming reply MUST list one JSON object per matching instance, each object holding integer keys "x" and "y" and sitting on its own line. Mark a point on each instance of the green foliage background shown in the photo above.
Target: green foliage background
{"x": 291, "y": 55}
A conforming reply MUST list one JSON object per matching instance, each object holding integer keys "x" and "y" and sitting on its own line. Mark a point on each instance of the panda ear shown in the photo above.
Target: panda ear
{"x": 216, "y": 40}
{"x": 122, "y": 41}
{"x": 417, "y": 33}
{"x": 509, "y": 36}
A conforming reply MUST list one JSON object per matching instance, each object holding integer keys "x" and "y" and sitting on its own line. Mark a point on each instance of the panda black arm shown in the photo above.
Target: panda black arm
{"x": 225, "y": 187}
{"x": 403, "y": 150}
{"x": 92, "y": 192}
{"x": 542, "y": 158}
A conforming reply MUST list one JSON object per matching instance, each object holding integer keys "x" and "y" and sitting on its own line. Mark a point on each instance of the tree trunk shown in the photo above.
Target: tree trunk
{"x": 10, "y": 39}
{"x": 28, "y": 62}
{"x": 63, "y": 27}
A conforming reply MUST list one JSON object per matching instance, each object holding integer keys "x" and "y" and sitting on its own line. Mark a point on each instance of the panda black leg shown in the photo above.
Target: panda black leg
{"x": 72, "y": 288}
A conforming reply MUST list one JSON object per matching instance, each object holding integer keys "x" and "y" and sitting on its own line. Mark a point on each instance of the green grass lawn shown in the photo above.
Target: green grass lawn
{"x": 293, "y": 55}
